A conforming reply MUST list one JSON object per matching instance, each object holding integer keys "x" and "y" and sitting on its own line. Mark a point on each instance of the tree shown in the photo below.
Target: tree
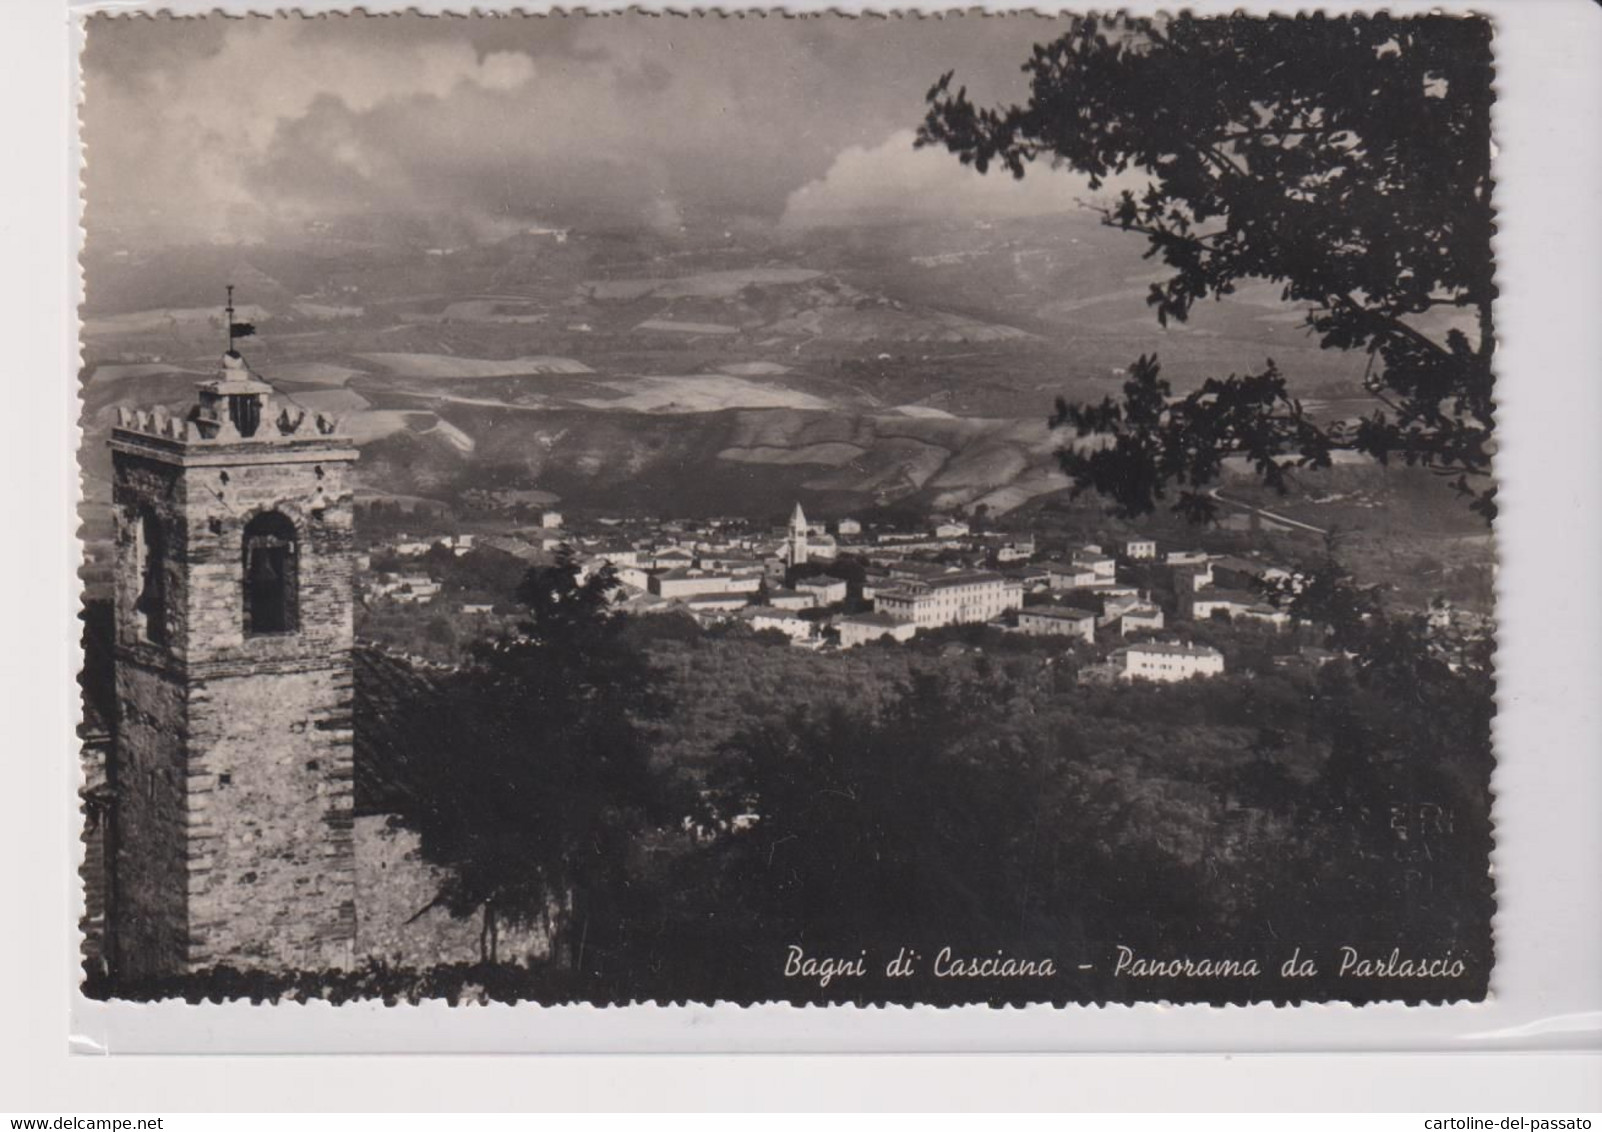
{"x": 539, "y": 781}
{"x": 1346, "y": 159}
{"x": 953, "y": 815}
{"x": 861, "y": 820}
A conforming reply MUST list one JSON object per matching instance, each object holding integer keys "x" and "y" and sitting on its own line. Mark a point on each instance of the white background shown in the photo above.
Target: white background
{"x": 1547, "y": 991}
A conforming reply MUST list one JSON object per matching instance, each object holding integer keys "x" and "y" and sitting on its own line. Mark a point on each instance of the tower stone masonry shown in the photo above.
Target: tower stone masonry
{"x": 232, "y": 768}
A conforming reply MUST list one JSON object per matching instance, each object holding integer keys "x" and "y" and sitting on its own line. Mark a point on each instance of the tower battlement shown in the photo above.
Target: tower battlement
{"x": 235, "y": 406}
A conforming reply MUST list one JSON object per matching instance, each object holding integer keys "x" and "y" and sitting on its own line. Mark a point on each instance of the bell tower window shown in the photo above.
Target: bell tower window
{"x": 272, "y": 575}
{"x": 150, "y": 606}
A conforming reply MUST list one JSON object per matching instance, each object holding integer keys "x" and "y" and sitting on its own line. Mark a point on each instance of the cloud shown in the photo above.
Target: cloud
{"x": 216, "y": 128}
{"x": 194, "y": 137}
{"x": 894, "y": 181}
{"x": 272, "y": 72}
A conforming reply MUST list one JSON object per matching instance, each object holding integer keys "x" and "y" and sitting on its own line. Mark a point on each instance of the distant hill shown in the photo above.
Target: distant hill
{"x": 908, "y": 365}
{"x": 733, "y": 461}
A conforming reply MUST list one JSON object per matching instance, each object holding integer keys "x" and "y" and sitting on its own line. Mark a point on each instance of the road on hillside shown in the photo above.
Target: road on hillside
{"x": 1273, "y": 516}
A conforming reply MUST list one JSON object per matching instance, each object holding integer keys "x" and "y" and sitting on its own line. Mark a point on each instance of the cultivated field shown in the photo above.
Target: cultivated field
{"x": 442, "y": 366}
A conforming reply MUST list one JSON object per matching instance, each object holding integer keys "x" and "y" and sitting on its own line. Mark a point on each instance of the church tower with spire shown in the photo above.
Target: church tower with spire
{"x": 796, "y": 550}
{"x": 233, "y": 749}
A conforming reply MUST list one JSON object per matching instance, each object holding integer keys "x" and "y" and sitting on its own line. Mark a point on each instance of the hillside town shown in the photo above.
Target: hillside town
{"x": 839, "y": 585}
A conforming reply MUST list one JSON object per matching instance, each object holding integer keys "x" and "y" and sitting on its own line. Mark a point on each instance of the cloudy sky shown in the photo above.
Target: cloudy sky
{"x": 212, "y": 128}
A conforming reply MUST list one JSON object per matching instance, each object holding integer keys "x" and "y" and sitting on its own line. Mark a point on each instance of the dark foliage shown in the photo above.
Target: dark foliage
{"x": 538, "y": 780}
{"x": 1347, "y": 159}
{"x": 976, "y": 797}
{"x": 976, "y": 800}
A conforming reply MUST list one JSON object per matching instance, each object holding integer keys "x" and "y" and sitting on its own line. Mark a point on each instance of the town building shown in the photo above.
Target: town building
{"x": 875, "y": 579}
{"x": 671, "y": 558}
{"x": 951, "y": 599}
{"x": 846, "y": 528}
{"x": 551, "y": 520}
{"x": 511, "y": 544}
{"x": 633, "y": 577}
{"x": 714, "y": 603}
{"x": 645, "y": 603}
{"x": 823, "y": 589}
{"x": 860, "y": 628}
{"x": 619, "y": 554}
{"x": 821, "y": 547}
{"x": 1166, "y": 663}
{"x": 1113, "y": 601}
{"x": 1265, "y": 614}
{"x": 1138, "y": 619}
{"x": 1235, "y": 605}
{"x": 729, "y": 561}
{"x": 408, "y": 588}
{"x": 1033, "y": 579}
{"x": 765, "y": 617}
{"x": 903, "y": 569}
{"x": 1070, "y": 576}
{"x": 1016, "y": 550}
{"x": 1245, "y": 573}
{"x": 1058, "y": 621}
{"x": 1191, "y": 577}
{"x": 1140, "y": 549}
{"x": 686, "y": 583}
{"x": 781, "y": 598}
{"x": 1091, "y": 558}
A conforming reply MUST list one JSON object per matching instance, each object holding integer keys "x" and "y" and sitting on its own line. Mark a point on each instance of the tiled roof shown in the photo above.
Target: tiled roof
{"x": 1057, "y": 612}
{"x": 875, "y": 619}
{"x": 1173, "y": 649}
{"x": 978, "y": 577}
{"x": 769, "y": 613}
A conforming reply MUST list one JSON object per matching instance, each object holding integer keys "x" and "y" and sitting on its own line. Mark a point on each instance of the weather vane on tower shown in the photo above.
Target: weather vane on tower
{"x": 236, "y": 329}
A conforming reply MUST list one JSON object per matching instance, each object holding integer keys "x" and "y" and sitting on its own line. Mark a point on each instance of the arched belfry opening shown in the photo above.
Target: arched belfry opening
{"x": 272, "y": 575}
{"x": 150, "y": 556}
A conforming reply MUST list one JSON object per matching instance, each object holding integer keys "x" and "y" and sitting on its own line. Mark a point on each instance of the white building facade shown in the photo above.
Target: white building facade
{"x": 860, "y": 628}
{"x": 951, "y": 599}
{"x": 823, "y": 589}
{"x": 1054, "y": 621}
{"x": 1167, "y": 663}
{"x": 763, "y": 618}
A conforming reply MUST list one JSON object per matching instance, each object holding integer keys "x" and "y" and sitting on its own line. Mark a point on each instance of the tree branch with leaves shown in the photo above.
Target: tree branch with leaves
{"x": 1346, "y": 159}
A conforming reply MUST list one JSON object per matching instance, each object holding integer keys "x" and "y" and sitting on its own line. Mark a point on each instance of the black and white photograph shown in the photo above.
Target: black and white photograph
{"x": 964, "y": 510}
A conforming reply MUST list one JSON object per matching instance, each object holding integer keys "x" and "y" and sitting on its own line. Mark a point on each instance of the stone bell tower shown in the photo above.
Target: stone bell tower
{"x": 796, "y": 550}
{"x": 233, "y": 758}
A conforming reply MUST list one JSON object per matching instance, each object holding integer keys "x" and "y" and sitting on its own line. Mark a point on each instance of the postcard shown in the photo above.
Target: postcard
{"x": 709, "y": 509}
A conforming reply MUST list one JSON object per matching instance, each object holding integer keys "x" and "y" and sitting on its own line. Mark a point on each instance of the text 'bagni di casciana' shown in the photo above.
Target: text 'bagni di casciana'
{"x": 948, "y": 963}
